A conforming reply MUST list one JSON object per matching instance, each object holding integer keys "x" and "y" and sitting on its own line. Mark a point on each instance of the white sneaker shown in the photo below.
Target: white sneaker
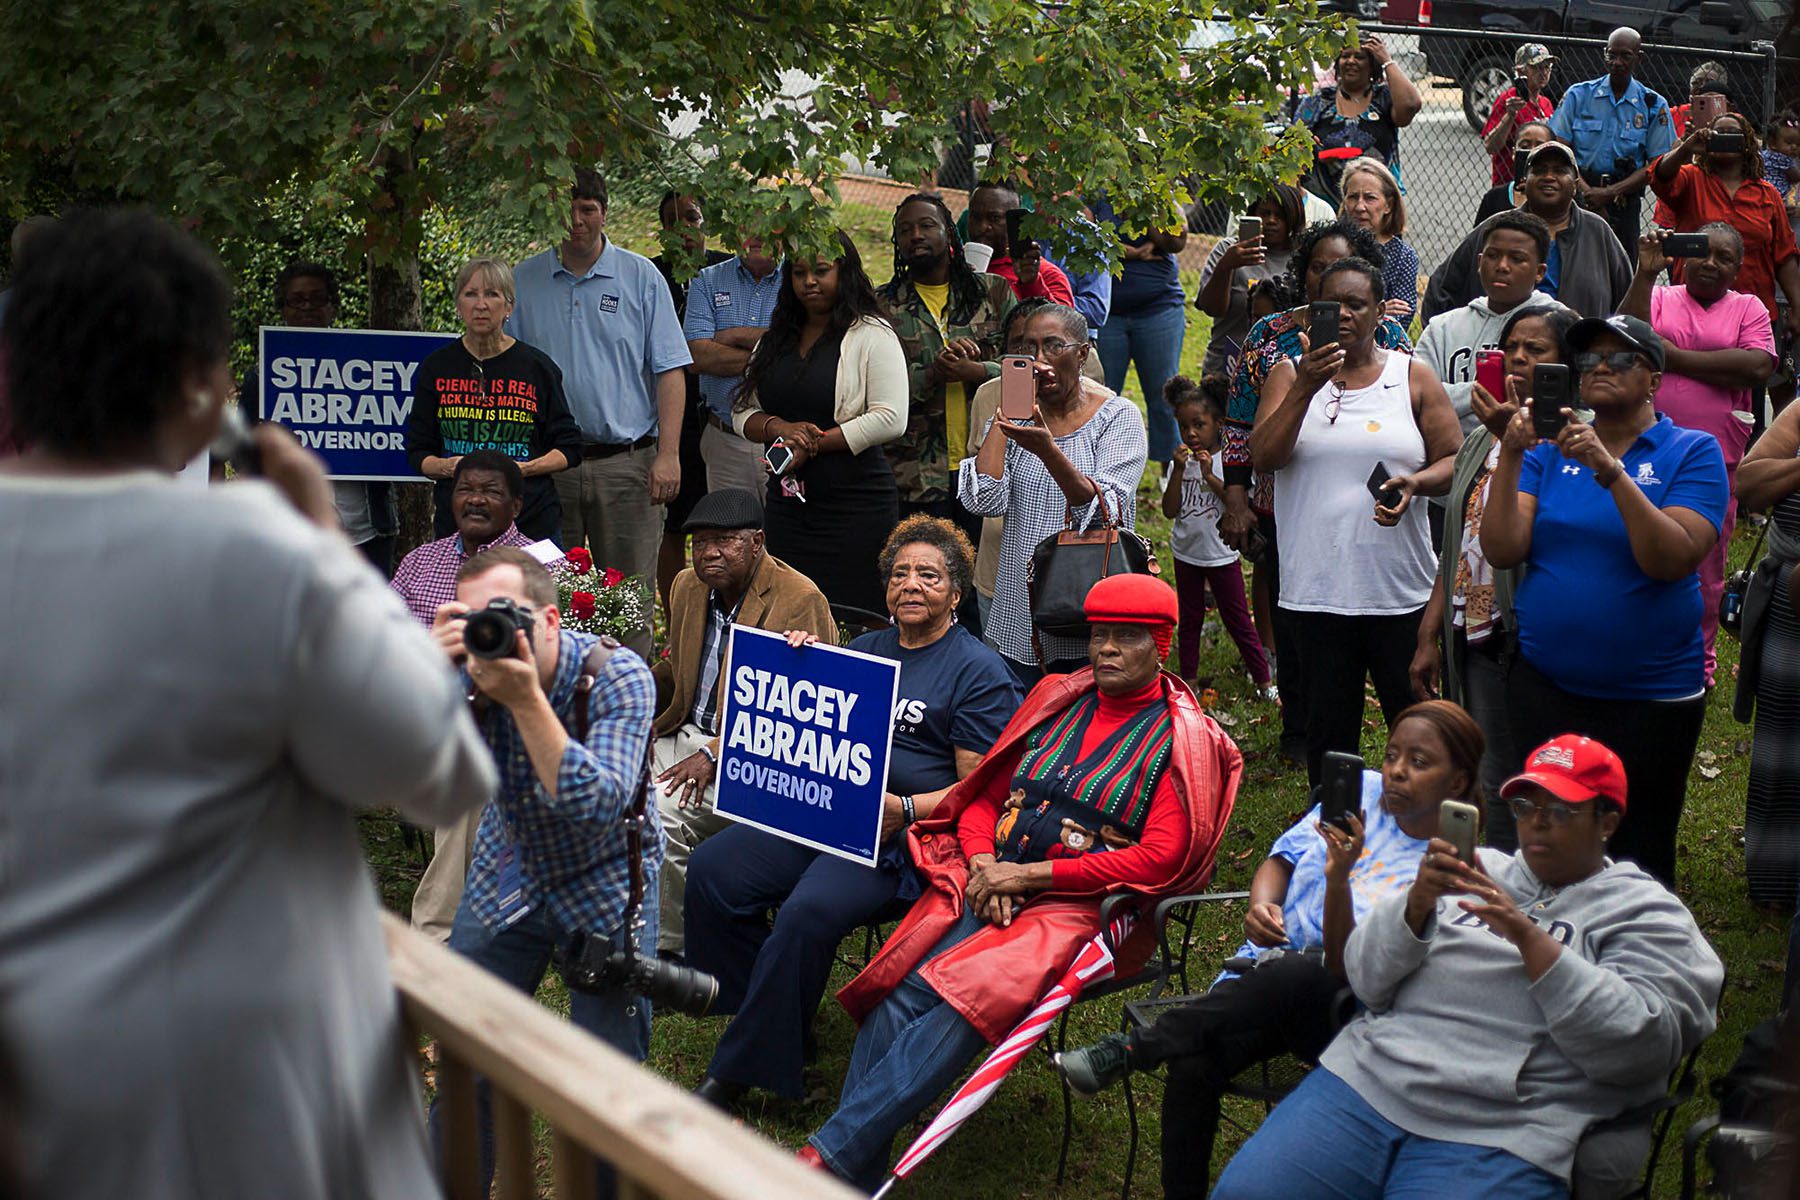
{"x": 1271, "y": 693}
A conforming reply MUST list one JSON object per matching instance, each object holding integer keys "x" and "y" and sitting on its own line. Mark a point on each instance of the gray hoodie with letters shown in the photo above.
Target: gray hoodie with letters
{"x": 1458, "y": 1044}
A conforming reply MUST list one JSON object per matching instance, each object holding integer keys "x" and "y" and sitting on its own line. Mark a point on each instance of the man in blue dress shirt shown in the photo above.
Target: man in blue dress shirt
{"x": 604, "y": 315}
{"x": 1616, "y": 125}
{"x": 729, "y": 305}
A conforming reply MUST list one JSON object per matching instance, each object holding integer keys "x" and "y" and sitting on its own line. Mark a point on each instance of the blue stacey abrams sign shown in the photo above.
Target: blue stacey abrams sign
{"x": 345, "y": 393}
{"x": 804, "y": 742}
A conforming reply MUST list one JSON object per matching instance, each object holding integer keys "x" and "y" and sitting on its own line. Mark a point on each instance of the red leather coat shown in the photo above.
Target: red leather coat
{"x": 994, "y": 977}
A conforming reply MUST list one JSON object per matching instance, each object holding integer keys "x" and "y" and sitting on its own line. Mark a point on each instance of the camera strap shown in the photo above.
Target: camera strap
{"x": 591, "y": 665}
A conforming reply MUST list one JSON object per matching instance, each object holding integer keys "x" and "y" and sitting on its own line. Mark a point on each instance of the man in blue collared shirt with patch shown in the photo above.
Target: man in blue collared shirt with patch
{"x": 604, "y": 315}
{"x": 552, "y": 858}
{"x": 729, "y": 305}
{"x": 1616, "y": 125}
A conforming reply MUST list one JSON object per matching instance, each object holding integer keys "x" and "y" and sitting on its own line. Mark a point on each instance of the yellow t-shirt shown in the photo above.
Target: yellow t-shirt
{"x": 956, "y": 397}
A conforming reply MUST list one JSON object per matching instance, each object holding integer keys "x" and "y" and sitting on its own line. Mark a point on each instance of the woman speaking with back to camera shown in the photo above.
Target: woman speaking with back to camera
{"x": 218, "y": 684}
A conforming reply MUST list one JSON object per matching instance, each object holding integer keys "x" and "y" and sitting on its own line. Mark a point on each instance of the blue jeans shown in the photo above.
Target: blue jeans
{"x": 519, "y": 955}
{"x": 909, "y": 1049}
{"x": 772, "y": 978}
{"x": 1153, "y": 341}
{"x": 1326, "y": 1141}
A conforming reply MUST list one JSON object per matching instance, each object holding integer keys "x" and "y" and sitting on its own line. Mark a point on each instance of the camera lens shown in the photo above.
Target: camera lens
{"x": 488, "y": 634}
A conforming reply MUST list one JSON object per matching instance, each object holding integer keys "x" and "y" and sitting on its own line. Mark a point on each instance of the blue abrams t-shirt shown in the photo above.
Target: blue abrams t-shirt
{"x": 1389, "y": 860}
{"x": 954, "y": 692}
{"x": 1588, "y": 617}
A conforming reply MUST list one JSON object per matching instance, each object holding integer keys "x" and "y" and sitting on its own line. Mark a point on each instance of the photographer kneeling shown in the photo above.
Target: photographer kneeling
{"x": 557, "y": 868}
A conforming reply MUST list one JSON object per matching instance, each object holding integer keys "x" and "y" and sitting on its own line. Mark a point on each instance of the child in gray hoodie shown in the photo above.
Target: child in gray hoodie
{"x": 1510, "y": 1006}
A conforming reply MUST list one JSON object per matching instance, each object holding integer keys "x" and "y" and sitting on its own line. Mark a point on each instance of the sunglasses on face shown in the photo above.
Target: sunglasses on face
{"x": 1618, "y": 362}
{"x": 1559, "y": 813}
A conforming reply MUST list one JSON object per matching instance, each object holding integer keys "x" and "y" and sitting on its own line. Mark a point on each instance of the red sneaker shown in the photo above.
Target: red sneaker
{"x": 811, "y": 1158}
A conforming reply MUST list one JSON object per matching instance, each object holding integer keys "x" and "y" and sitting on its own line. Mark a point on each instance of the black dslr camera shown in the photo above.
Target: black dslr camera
{"x": 488, "y": 632}
{"x": 590, "y": 964}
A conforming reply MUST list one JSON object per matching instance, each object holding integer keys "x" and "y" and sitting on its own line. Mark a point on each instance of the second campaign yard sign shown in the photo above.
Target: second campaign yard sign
{"x": 804, "y": 741}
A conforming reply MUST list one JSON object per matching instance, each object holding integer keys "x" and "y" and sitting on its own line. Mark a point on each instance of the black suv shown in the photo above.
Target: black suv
{"x": 1482, "y": 67}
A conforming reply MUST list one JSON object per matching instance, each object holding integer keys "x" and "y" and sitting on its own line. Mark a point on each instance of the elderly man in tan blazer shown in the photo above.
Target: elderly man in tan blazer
{"x": 734, "y": 581}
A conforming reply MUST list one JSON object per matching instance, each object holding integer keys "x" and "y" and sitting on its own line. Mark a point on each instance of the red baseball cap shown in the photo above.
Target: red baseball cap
{"x": 1572, "y": 768}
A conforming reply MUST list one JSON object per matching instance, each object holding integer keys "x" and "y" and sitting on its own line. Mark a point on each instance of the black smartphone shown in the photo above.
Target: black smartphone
{"x": 1686, "y": 245}
{"x": 1377, "y": 478}
{"x": 1725, "y": 143}
{"x": 1520, "y": 158}
{"x": 1322, "y": 322}
{"x": 1521, "y": 87}
{"x": 1017, "y": 247}
{"x": 1550, "y": 394}
{"x": 1340, "y": 787}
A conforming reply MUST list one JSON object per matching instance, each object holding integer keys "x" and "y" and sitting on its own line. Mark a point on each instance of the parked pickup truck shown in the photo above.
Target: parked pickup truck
{"x": 1483, "y": 67}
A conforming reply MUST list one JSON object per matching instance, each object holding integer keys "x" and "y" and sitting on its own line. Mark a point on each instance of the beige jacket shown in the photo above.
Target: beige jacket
{"x": 871, "y": 387}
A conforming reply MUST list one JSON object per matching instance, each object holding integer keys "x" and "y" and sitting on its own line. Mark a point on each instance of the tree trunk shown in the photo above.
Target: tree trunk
{"x": 396, "y": 302}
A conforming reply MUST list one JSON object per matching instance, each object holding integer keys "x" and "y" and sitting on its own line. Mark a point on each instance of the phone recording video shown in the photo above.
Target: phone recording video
{"x": 1340, "y": 788}
{"x": 1551, "y": 392}
{"x": 1322, "y": 322}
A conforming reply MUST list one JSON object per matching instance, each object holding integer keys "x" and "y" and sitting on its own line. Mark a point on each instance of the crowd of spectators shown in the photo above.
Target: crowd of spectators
{"x": 1515, "y": 527}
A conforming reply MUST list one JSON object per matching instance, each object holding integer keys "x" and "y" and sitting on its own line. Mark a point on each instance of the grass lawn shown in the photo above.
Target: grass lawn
{"x": 1010, "y": 1148}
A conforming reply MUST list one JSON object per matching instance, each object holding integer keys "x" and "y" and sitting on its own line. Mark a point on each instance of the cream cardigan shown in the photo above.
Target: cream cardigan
{"x": 872, "y": 387}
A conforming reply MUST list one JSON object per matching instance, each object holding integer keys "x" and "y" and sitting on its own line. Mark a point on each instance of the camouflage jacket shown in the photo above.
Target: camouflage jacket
{"x": 921, "y": 456}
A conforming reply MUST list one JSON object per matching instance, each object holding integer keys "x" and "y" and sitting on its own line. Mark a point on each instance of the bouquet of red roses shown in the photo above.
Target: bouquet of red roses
{"x": 600, "y": 599}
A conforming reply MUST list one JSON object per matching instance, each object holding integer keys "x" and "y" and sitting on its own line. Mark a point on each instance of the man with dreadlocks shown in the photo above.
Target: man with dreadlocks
{"x": 948, "y": 317}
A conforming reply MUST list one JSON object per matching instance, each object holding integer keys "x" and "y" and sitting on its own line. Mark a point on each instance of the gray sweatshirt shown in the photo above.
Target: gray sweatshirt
{"x": 1457, "y": 1044}
{"x": 1450, "y": 341}
{"x": 1593, "y": 270}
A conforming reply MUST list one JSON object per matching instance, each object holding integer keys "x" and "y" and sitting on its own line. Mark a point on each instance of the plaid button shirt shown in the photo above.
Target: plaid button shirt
{"x": 573, "y": 855}
{"x": 427, "y": 576}
{"x": 712, "y": 657}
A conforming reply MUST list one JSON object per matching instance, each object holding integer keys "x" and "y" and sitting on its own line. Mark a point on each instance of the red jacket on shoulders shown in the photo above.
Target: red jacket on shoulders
{"x": 994, "y": 977}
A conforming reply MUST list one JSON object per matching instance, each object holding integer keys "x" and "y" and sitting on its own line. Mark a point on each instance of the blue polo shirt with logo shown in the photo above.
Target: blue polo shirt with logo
{"x": 1602, "y": 128}
{"x": 726, "y": 296}
{"x": 1588, "y": 617}
{"x": 612, "y": 331}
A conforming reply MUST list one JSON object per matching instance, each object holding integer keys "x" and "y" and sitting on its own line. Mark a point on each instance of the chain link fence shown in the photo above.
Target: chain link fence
{"x": 1444, "y": 168}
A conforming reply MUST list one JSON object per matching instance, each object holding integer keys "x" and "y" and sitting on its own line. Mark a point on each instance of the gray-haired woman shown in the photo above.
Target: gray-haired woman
{"x": 489, "y": 391}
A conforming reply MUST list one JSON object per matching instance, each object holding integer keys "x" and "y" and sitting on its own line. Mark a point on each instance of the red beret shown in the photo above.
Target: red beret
{"x": 1132, "y": 600}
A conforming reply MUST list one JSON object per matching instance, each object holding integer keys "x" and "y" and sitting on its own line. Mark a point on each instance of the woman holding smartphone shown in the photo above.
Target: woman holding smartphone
{"x": 1283, "y": 992}
{"x": 1613, "y": 519}
{"x": 825, "y": 388}
{"x": 1261, "y": 250}
{"x": 1467, "y": 630}
{"x": 1356, "y": 568}
{"x": 1493, "y": 1041}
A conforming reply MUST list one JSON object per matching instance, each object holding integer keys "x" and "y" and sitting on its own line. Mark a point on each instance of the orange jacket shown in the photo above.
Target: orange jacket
{"x": 994, "y": 977}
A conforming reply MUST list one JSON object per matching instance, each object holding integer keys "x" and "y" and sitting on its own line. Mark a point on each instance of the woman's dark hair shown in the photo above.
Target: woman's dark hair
{"x": 1461, "y": 736}
{"x": 1752, "y": 155}
{"x": 1292, "y": 204}
{"x": 1275, "y": 290}
{"x": 966, "y": 292}
{"x": 946, "y": 538}
{"x": 301, "y": 269}
{"x": 1519, "y": 221}
{"x": 108, "y": 313}
{"x": 1559, "y": 320}
{"x": 1356, "y": 266}
{"x": 856, "y": 301}
{"x": 1015, "y": 316}
{"x": 1213, "y": 392}
{"x": 1362, "y": 245}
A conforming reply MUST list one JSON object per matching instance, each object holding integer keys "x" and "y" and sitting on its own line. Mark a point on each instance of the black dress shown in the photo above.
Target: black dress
{"x": 834, "y": 535}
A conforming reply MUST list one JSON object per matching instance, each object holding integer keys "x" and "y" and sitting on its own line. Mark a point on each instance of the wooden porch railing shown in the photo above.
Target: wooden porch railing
{"x": 598, "y": 1103}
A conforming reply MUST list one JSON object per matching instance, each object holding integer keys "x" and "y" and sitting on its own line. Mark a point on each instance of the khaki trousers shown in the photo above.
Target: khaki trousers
{"x": 606, "y": 507}
{"x": 441, "y": 887}
{"x": 733, "y": 462}
{"x": 683, "y": 829}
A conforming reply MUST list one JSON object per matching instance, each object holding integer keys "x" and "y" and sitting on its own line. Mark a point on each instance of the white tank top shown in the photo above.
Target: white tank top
{"x": 1334, "y": 557}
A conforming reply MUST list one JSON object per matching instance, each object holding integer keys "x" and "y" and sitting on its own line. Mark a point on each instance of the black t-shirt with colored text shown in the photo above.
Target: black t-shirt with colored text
{"x": 513, "y": 403}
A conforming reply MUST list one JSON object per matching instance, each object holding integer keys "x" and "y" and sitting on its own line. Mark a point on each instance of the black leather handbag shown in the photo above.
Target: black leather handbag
{"x": 1067, "y": 563}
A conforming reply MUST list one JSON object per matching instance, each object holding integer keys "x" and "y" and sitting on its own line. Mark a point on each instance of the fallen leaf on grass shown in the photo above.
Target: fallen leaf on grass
{"x": 1708, "y": 772}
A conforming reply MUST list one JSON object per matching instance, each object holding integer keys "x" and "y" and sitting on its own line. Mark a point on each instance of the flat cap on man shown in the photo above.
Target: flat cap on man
{"x": 727, "y": 508}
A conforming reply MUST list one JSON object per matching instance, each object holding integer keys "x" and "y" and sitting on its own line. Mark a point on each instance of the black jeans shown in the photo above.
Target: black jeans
{"x": 1290, "y": 659}
{"x": 1340, "y": 652}
{"x": 1288, "y": 1004}
{"x": 1655, "y": 739}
